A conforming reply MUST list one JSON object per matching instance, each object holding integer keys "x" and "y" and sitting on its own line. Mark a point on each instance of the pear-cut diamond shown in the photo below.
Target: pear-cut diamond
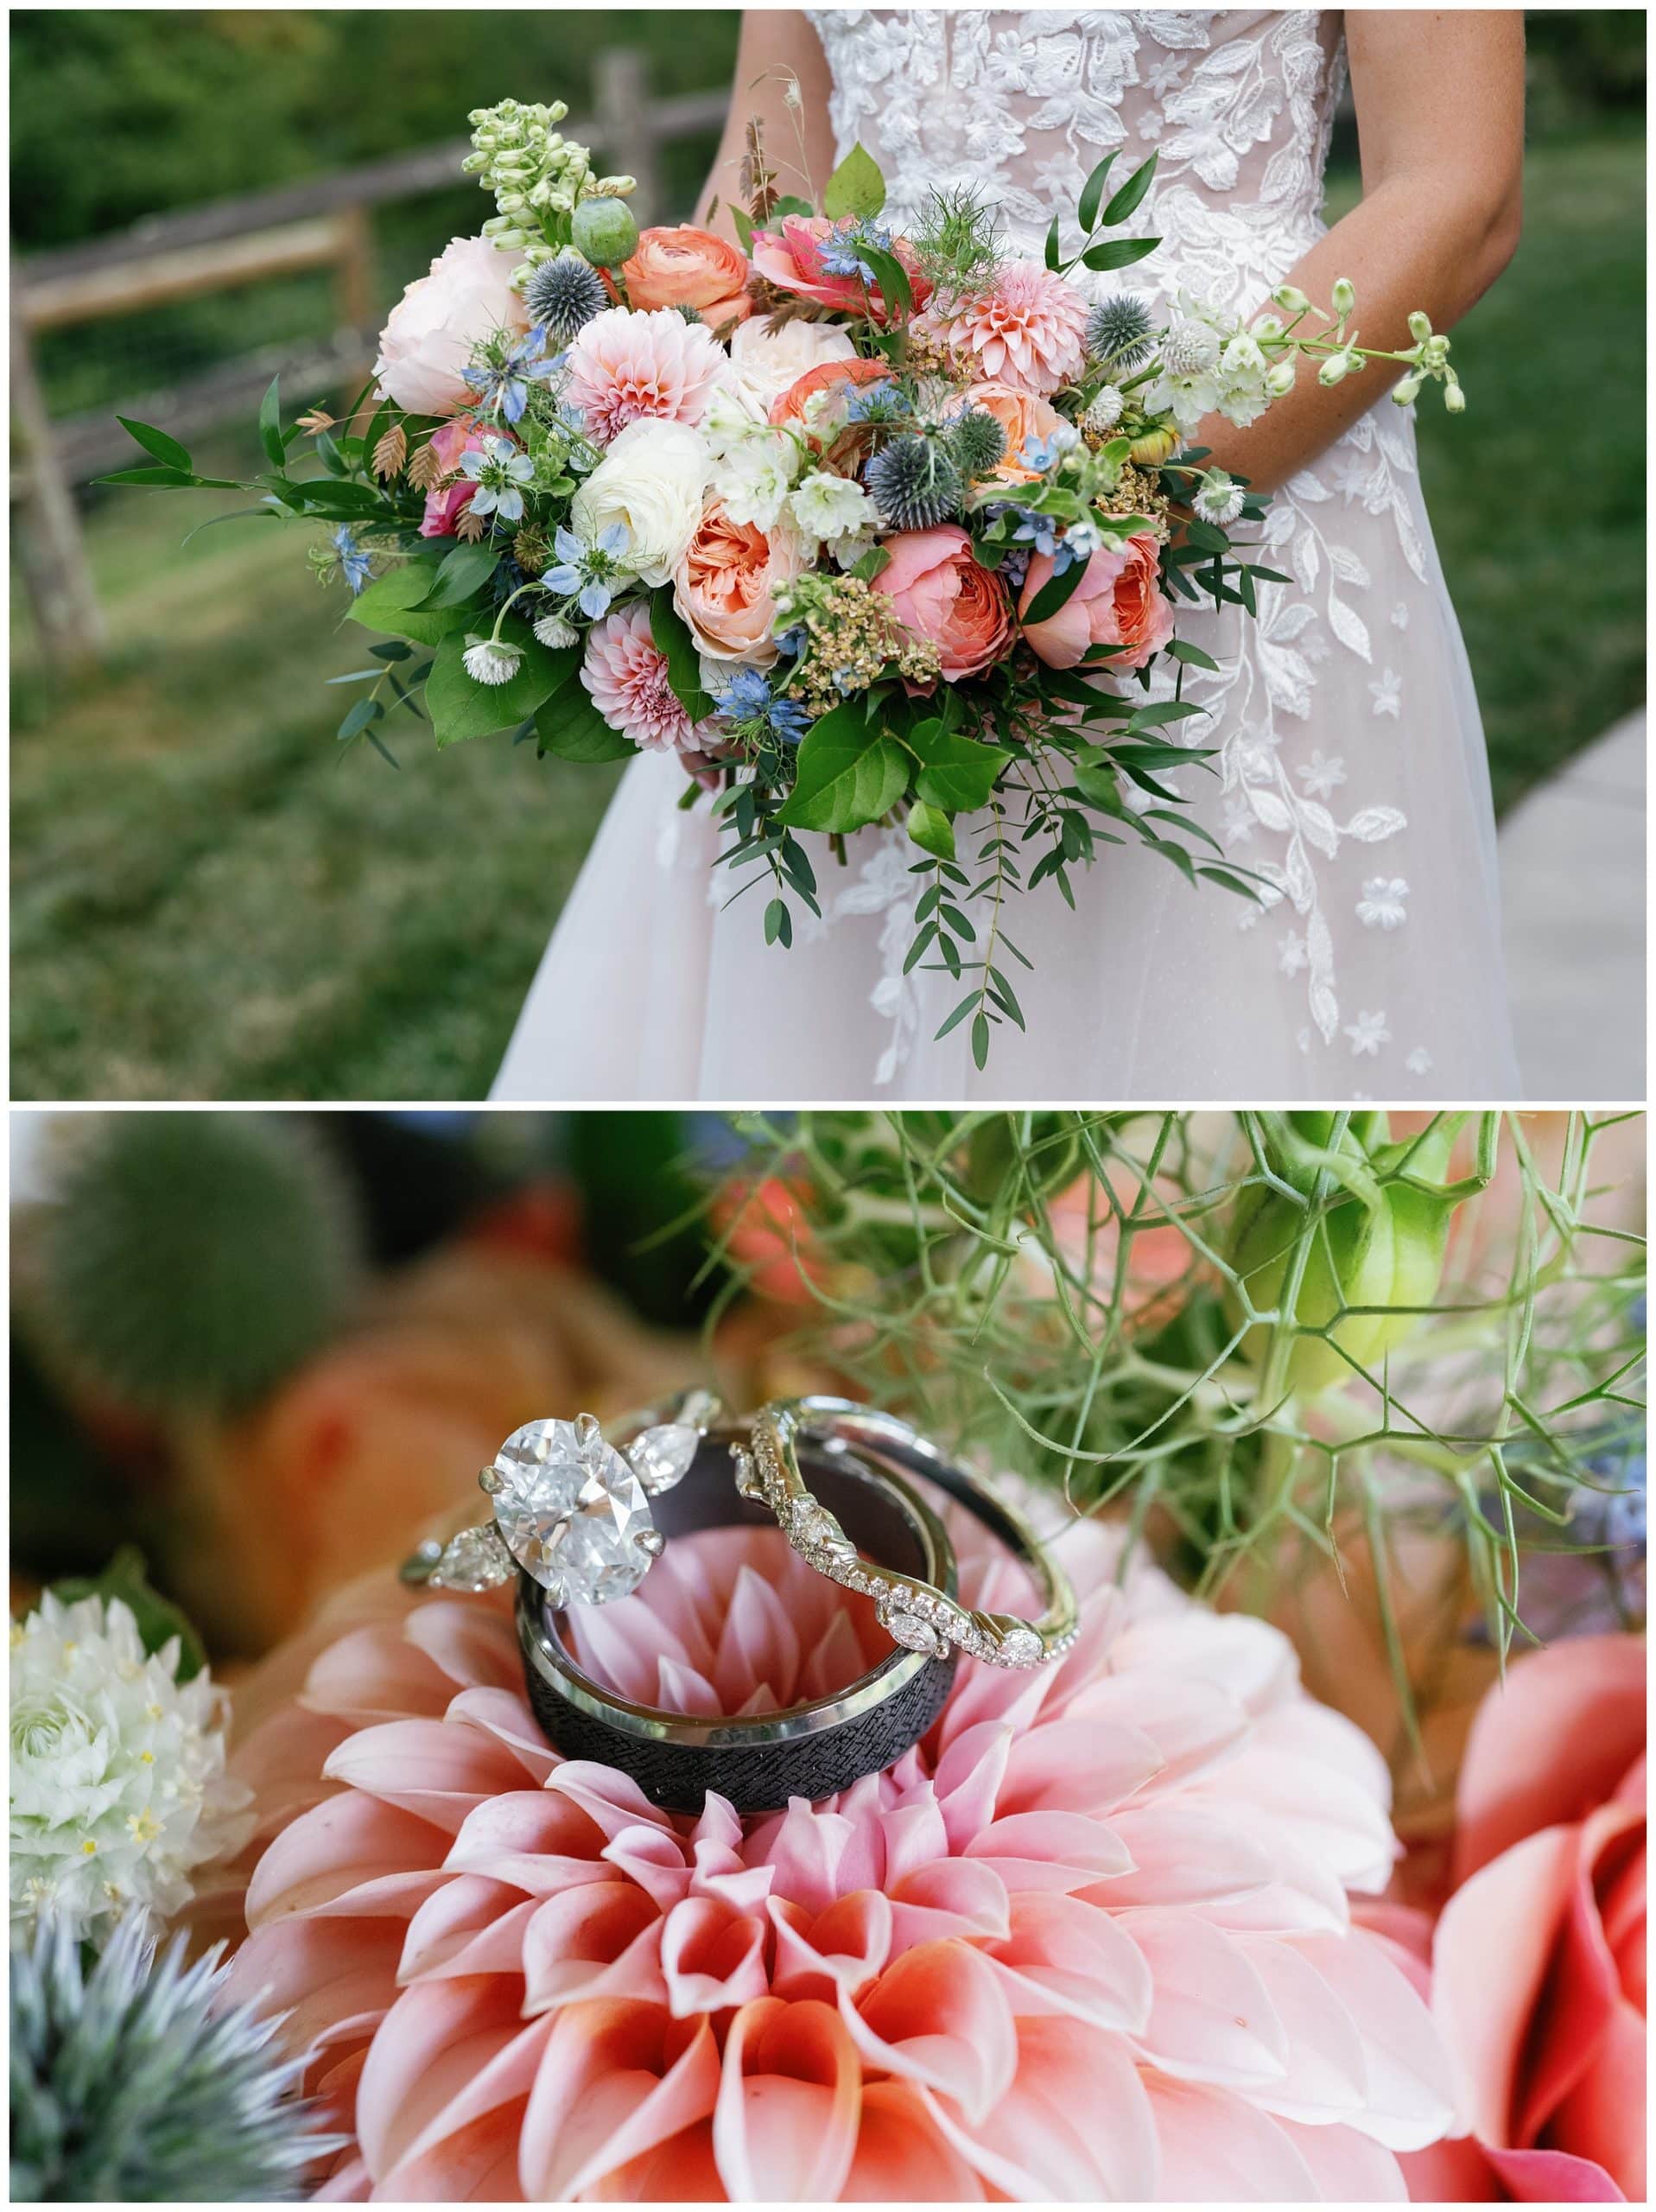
{"x": 571, "y": 1511}
{"x": 662, "y": 1456}
{"x": 475, "y": 1559}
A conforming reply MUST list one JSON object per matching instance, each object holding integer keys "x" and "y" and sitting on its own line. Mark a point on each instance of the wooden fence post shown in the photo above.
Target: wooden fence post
{"x": 625, "y": 131}
{"x": 55, "y": 569}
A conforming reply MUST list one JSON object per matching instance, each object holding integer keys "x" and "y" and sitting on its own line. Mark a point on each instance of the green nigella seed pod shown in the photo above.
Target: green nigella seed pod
{"x": 605, "y": 231}
{"x": 193, "y": 1260}
{"x": 1379, "y": 1244}
{"x": 977, "y": 441}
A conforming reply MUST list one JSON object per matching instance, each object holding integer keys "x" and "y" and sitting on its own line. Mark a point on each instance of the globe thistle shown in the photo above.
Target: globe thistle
{"x": 915, "y": 484}
{"x": 977, "y": 441}
{"x": 246, "y": 1219}
{"x": 1119, "y": 332}
{"x": 563, "y": 296}
{"x": 136, "y": 2083}
{"x": 118, "y": 1789}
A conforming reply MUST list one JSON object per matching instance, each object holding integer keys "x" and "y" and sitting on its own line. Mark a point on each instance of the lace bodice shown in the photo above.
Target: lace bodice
{"x": 1022, "y": 102}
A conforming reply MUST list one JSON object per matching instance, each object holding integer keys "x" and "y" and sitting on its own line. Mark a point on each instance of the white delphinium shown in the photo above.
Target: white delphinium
{"x": 118, "y": 1789}
{"x": 490, "y": 661}
{"x": 754, "y": 467}
{"x": 829, "y": 508}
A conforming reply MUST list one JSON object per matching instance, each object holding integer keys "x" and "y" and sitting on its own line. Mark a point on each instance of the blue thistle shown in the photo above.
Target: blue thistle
{"x": 137, "y": 2082}
{"x": 564, "y": 295}
{"x": 977, "y": 441}
{"x": 1119, "y": 332}
{"x": 914, "y": 483}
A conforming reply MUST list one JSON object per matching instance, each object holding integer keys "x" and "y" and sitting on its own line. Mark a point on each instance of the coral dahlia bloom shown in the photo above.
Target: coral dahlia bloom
{"x": 1091, "y": 1939}
{"x": 624, "y": 366}
{"x": 1027, "y": 328}
{"x": 625, "y": 671}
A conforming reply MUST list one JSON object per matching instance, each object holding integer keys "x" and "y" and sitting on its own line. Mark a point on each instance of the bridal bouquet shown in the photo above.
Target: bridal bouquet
{"x": 865, "y": 527}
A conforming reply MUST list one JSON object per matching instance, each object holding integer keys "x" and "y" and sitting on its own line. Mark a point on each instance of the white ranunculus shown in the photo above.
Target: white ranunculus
{"x": 118, "y": 1789}
{"x": 650, "y": 482}
{"x": 766, "y": 362}
{"x": 440, "y": 322}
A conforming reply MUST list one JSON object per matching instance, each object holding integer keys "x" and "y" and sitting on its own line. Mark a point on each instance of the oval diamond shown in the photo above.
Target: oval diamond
{"x": 571, "y": 1510}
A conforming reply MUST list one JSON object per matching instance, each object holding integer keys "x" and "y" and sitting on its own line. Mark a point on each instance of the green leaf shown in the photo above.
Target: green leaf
{"x": 791, "y": 204}
{"x": 393, "y": 602}
{"x": 461, "y": 575}
{"x": 873, "y": 563}
{"x": 460, "y": 707}
{"x": 1123, "y": 203}
{"x": 1093, "y": 191}
{"x": 848, "y": 775}
{"x": 158, "y": 1619}
{"x": 956, "y": 774}
{"x": 671, "y": 634}
{"x": 270, "y": 425}
{"x": 856, "y": 187}
{"x": 743, "y": 223}
{"x": 568, "y": 724}
{"x": 1192, "y": 654}
{"x": 1054, "y": 245}
{"x": 957, "y": 1017}
{"x": 394, "y": 649}
{"x": 931, "y": 831}
{"x": 891, "y": 279}
{"x": 157, "y": 442}
{"x": 980, "y": 1040}
{"x": 1056, "y": 591}
{"x": 365, "y": 711}
{"x": 1116, "y": 253}
{"x": 778, "y": 924}
{"x": 170, "y": 480}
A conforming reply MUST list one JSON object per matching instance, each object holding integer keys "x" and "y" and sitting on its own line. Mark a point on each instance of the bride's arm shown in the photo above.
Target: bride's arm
{"x": 1439, "y": 95}
{"x": 777, "y": 48}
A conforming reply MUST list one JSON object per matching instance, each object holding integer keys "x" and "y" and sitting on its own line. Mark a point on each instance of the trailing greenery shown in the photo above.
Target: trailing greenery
{"x": 1239, "y": 1332}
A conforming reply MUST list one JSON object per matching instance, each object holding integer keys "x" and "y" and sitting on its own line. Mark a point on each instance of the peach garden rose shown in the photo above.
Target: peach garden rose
{"x": 725, "y": 582}
{"x": 1117, "y": 602}
{"x": 941, "y": 594}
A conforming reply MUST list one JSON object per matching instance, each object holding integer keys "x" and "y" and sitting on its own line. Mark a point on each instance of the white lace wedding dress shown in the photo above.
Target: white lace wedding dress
{"x": 1352, "y": 756}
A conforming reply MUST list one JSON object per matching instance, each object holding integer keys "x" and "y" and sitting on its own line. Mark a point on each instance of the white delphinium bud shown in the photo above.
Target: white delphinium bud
{"x": 1454, "y": 397}
{"x": 1291, "y": 300}
{"x": 1279, "y": 377}
{"x": 490, "y": 661}
{"x": 118, "y": 1789}
{"x": 1335, "y": 370}
{"x": 1344, "y": 296}
{"x": 1419, "y": 327}
{"x": 1218, "y": 499}
{"x": 1407, "y": 392}
{"x": 1105, "y": 412}
{"x": 557, "y": 635}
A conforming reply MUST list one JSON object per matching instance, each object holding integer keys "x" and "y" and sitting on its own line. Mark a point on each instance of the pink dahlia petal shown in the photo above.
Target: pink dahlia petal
{"x": 603, "y": 1939}
{"x": 957, "y": 1897}
{"x": 1216, "y": 2148}
{"x": 843, "y": 1948}
{"x": 1211, "y": 2018}
{"x": 902, "y": 2157}
{"x": 940, "y": 2016}
{"x": 1075, "y": 2126}
{"x": 619, "y": 2081}
{"x": 1050, "y": 1851}
{"x": 784, "y": 2129}
{"x": 338, "y": 1849}
{"x": 1348, "y": 2168}
{"x": 465, "y": 1922}
{"x": 538, "y": 1842}
{"x": 1027, "y": 328}
{"x": 431, "y": 2068}
{"x": 625, "y": 671}
{"x": 1062, "y": 1957}
{"x": 1410, "y": 2099}
{"x": 426, "y": 1767}
{"x": 711, "y": 1956}
{"x": 472, "y": 1647}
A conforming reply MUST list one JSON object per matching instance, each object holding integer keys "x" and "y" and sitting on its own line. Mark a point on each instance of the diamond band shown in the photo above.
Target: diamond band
{"x": 914, "y": 1615}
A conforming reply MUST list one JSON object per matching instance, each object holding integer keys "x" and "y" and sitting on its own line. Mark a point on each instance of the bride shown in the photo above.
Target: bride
{"x": 1349, "y": 744}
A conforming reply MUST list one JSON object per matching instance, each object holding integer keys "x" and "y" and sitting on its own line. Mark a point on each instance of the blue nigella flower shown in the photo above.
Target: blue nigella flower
{"x": 877, "y": 403}
{"x": 587, "y": 573}
{"x": 747, "y": 698}
{"x": 1036, "y": 529}
{"x": 503, "y": 388}
{"x": 840, "y": 250}
{"x": 353, "y": 562}
{"x": 499, "y": 471}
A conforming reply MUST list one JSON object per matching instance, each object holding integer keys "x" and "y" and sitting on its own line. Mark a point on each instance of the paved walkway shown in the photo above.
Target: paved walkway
{"x": 1573, "y": 887}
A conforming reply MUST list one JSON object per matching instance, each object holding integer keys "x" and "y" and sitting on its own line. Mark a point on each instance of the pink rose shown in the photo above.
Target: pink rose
{"x": 1117, "y": 602}
{"x": 939, "y": 592}
{"x": 791, "y": 258}
{"x": 446, "y": 503}
{"x": 686, "y": 268}
{"x": 440, "y": 322}
{"x": 1538, "y": 1958}
{"x": 725, "y": 583}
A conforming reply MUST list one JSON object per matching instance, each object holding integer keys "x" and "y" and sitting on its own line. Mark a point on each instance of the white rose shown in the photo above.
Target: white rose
{"x": 650, "y": 482}
{"x": 440, "y": 322}
{"x": 766, "y": 362}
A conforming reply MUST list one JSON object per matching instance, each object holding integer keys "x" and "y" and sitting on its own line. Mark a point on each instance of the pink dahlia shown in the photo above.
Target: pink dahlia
{"x": 625, "y": 671}
{"x": 623, "y": 366}
{"x": 1027, "y": 328}
{"x": 1093, "y": 1939}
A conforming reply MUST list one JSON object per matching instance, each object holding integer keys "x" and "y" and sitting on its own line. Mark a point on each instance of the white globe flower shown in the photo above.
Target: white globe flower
{"x": 765, "y": 362}
{"x": 118, "y": 1789}
{"x": 650, "y": 483}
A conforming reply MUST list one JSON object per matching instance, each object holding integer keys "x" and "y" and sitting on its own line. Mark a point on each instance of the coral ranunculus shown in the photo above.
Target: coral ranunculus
{"x": 940, "y": 593}
{"x": 1538, "y": 1958}
{"x": 794, "y": 259}
{"x": 725, "y": 586}
{"x": 686, "y": 268}
{"x": 1117, "y": 602}
{"x": 1091, "y": 1939}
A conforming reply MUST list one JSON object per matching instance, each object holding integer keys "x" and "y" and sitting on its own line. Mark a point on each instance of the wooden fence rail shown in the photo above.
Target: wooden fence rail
{"x": 325, "y": 222}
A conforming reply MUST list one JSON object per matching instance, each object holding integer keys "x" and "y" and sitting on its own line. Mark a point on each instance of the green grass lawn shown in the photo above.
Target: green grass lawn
{"x": 211, "y": 900}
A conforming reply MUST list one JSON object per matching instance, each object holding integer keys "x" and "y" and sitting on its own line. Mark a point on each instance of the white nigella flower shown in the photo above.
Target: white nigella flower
{"x": 118, "y": 1789}
{"x": 1218, "y": 499}
{"x": 490, "y": 661}
{"x": 831, "y": 507}
{"x": 1106, "y": 409}
{"x": 499, "y": 471}
{"x": 553, "y": 631}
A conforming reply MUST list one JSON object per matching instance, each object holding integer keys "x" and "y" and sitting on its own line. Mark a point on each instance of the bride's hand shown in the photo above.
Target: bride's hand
{"x": 1439, "y": 95}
